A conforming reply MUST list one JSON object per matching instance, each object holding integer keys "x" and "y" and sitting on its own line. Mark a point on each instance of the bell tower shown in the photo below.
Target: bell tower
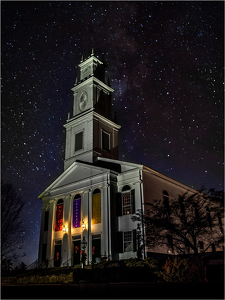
{"x": 90, "y": 131}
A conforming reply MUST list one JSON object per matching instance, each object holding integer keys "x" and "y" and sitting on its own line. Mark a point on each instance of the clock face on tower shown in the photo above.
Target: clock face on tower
{"x": 83, "y": 101}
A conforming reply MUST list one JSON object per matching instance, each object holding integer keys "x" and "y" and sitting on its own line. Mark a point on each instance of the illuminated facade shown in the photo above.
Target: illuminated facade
{"x": 95, "y": 196}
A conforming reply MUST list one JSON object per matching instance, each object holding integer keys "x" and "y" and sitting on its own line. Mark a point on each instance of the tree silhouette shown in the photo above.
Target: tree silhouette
{"x": 186, "y": 224}
{"x": 6, "y": 265}
{"x": 22, "y": 266}
{"x": 11, "y": 226}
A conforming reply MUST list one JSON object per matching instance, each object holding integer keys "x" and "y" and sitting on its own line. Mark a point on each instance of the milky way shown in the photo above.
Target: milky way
{"x": 165, "y": 64}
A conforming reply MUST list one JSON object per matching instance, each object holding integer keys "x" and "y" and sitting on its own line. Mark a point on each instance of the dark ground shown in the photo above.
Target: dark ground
{"x": 204, "y": 290}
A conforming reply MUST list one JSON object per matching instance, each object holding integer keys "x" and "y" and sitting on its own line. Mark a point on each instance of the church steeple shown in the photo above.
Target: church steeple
{"x": 90, "y": 131}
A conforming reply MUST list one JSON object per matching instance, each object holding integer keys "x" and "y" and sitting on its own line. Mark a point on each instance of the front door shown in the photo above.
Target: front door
{"x": 76, "y": 253}
{"x": 57, "y": 258}
{"x": 96, "y": 250}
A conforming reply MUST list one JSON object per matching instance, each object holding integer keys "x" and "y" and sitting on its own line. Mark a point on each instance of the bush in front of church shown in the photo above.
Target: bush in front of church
{"x": 178, "y": 269}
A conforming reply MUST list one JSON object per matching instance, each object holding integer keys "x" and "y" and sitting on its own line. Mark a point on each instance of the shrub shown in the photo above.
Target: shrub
{"x": 146, "y": 263}
{"x": 63, "y": 278}
{"x": 180, "y": 269}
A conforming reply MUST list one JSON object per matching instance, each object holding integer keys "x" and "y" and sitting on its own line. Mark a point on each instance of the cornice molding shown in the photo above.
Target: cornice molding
{"x": 92, "y": 80}
{"x": 105, "y": 120}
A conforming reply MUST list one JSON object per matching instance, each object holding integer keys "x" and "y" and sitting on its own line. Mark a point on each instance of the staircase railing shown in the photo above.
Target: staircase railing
{"x": 68, "y": 263}
{"x": 51, "y": 263}
{"x": 33, "y": 265}
{"x": 36, "y": 265}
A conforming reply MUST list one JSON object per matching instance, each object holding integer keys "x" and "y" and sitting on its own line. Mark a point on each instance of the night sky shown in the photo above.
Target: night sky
{"x": 165, "y": 64}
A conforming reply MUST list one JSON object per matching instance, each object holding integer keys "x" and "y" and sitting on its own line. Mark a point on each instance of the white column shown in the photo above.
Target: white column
{"x": 104, "y": 221}
{"x": 69, "y": 229}
{"x": 65, "y": 239}
{"x": 109, "y": 222}
{"x": 89, "y": 246}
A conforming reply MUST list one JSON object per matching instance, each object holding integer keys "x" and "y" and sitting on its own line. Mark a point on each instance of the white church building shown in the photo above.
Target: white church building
{"x": 89, "y": 206}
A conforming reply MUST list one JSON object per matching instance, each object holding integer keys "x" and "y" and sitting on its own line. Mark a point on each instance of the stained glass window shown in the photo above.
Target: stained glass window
{"x": 59, "y": 217}
{"x": 96, "y": 208}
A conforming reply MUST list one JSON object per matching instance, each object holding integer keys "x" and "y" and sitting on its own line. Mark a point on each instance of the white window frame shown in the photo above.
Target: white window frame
{"x": 109, "y": 134}
{"x": 75, "y": 151}
{"x": 128, "y": 238}
{"x": 126, "y": 207}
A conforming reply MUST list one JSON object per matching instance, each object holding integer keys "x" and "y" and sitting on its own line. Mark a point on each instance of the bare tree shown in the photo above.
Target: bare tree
{"x": 22, "y": 266}
{"x": 6, "y": 265}
{"x": 11, "y": 225}
{"x": 186, "y": 224}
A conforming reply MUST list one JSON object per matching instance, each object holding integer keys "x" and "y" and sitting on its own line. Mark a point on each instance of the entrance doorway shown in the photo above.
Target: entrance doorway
{"x": 57, "y": 257}
{"x": 76, "y": 252}
{"x": 96, "y": 248}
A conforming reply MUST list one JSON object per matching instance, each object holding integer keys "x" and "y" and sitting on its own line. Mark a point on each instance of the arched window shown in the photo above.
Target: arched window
{"x": 165, "y": 193}
{"x": 96, "y": 207}
{"x": 126, "y": 200}
{"x": 126, "y": 188}
{"x": 59, "y": 202}
{"x": 59, "y": 215}
{"x": 96, "y": 191}
{"x": 77, "y": 211}
{"x": 166, "y": 200}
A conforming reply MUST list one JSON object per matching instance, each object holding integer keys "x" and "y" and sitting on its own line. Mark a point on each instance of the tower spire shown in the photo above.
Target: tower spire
{"x": 86, "y": 136}
{"x": 92, "y": 51}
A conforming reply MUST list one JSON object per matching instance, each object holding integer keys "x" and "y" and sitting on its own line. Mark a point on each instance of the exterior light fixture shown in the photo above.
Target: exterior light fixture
{"x": 84, "y": 243}
{"x": 84, "y": 226}
{"x": 65, "y": 228}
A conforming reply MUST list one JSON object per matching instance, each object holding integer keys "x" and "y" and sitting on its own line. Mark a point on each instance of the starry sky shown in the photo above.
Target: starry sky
{"x": 165, "y": 64}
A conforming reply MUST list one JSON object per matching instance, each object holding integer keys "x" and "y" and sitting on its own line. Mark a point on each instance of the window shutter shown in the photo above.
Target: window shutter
{"x": 134, "y": 241}
{"x": 119, "y": 204}
{"x": 120, "y": 241}
{"x": 133, "y": 201}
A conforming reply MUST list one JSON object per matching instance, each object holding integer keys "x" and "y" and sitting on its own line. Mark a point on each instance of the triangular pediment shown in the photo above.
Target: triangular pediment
{"x": 76, "y": 173}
